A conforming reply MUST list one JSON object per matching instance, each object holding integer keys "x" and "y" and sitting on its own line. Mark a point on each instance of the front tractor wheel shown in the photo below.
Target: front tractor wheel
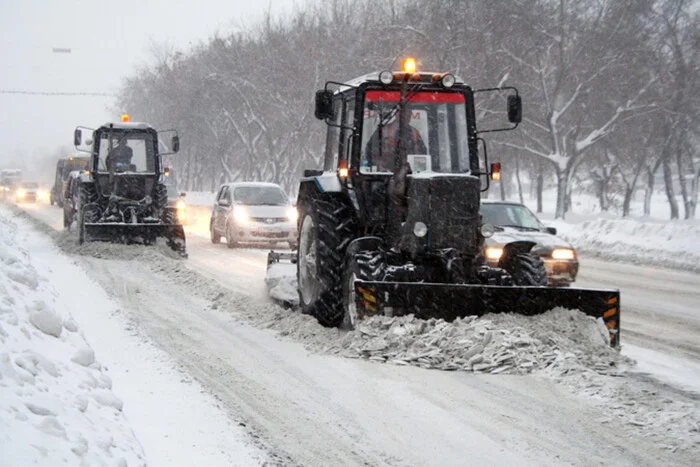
{"x": 527, "y": 269}
{"x": 327, "y": 227}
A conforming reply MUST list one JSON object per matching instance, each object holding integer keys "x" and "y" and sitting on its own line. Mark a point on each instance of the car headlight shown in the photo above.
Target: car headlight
{"x": 292, "y": 214}
{"x": 241, "y": 215}
{"x": 493, "y": 252}
{"x": 563, "y": 253}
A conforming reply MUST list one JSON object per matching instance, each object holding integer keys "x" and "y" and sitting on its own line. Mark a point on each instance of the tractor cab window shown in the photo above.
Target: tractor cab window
{"x": 126, "y": 152}
{"x": 435, "y": 138}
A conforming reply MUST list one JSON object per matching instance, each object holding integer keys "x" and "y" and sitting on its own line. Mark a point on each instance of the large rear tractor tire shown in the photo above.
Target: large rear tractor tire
{"x": 88, "y": 210}
{"x": 327, "y": 227}
{"x": 527, "y": 269}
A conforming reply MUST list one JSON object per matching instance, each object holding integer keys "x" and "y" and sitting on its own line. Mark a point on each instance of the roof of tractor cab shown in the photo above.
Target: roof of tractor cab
{"x": 498, "y": 201}
{"x": 374, "y": 77}
{"x": 127, "y": 126}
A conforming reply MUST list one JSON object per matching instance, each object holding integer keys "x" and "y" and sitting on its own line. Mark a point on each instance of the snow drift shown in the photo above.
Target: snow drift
{"x": 57, "y": 400}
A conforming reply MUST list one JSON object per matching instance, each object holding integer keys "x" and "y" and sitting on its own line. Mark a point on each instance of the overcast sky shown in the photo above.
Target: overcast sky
{"x": 108, "y": 41}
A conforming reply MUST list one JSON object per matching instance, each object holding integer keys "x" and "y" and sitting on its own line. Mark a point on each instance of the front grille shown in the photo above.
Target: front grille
{"x": 269, "y": 234}
{"x": 268, "y": 220}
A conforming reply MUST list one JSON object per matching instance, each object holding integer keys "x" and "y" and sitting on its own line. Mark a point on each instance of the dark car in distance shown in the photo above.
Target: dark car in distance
{"x": 515, "y": 222}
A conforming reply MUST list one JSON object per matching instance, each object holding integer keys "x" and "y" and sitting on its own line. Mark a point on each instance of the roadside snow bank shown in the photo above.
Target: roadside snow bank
{"x": 670, "y": 243}
{"x": 56, "y": 400}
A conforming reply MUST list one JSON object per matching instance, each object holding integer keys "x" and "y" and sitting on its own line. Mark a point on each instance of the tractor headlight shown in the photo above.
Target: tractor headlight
{"x": 420, "y": 230}
{"x": 487, "y": 230}
{"x": 386, "y": 77}
{"x": 448, "y": 80}
{"x": 563, "y": 253}
{"x": 241, "y": 215}
{"x": 292, "y": 214}
{"x": 493, "y": 252}
{"x": 21, "y": 192}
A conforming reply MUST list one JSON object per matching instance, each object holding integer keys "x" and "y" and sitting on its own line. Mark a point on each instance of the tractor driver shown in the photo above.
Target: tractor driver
{"x": 384, "y": 159}
{"x": 120, "y": 155}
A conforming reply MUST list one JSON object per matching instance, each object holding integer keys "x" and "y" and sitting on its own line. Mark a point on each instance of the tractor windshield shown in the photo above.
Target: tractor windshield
{"x": 436, "y": 136}
{"x": 127, "y": 152}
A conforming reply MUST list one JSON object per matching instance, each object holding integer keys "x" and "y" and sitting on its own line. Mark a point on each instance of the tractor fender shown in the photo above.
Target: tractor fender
{"x": 326, "y": 182}
{"x": 512, "y": 249}
{"x": 322, "y": 186}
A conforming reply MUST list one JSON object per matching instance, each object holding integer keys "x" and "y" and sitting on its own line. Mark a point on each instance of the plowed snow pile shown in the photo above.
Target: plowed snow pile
{"x": 495, "y": 343}
{"x": 56, "y": 399}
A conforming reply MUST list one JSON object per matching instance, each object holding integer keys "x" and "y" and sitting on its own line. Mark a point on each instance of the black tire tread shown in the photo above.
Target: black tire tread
{"x": 335, "y": 228}
{"x": 528, "y": 269}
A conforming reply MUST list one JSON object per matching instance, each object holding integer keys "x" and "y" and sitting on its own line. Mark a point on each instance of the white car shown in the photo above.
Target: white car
{"x": 253, "y": 213}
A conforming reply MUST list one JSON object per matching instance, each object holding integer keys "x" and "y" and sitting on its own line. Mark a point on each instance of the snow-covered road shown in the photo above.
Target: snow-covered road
{"x": 312, "y": 408}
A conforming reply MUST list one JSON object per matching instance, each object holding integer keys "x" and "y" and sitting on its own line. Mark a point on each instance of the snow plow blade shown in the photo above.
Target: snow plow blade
{"x": 451, "y": 301}
{"x": 280, "y": 278}
{"x": 145, "y": 234}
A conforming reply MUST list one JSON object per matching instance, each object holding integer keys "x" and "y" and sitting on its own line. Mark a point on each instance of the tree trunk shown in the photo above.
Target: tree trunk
{"x": 540, "y": 188}
{"x": 517, "y": 180}
{"x": 562, "y": 194}
{"x": 629, "y": 191}
{"x": 648, "y": 192}
{"x": 670, "y": 192}
{"x": 681, "y": 181}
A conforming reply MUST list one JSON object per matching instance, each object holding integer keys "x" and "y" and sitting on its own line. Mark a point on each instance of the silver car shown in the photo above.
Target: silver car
{"x": 253, "y": 213}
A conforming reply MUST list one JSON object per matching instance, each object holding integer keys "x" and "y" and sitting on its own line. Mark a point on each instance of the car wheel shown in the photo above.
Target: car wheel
{"x": 215, "y": 237}
{"x": 230, "y": 238}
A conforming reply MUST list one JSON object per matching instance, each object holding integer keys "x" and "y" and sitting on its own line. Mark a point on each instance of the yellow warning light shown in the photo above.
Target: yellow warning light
{"x": 343, "y": 171}
{"x": 125, "y": 118}
{"x": 409, "y": 65}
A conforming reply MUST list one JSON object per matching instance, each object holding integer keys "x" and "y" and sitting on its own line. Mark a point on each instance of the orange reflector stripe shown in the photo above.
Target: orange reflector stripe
{"x": 612, "y": 301}
{"x": 609, "y": 313}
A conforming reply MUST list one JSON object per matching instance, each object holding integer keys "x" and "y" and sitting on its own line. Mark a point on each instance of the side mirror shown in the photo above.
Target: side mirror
{"x": 224, "y": 202}
{"x": 551, "y": 230}
{"x": 77, "y": 137}
{"x": 324, "y": 105}
{"x": 175, "y": 143}
{"x": 515, "y": 109}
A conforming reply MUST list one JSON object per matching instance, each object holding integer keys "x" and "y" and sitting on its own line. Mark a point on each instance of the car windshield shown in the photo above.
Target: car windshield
{"x": 260, "y": 195}
{"x": 432, "y": 144}
{"x": 29, "y": 185}
{"x": 511, "y": 215}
